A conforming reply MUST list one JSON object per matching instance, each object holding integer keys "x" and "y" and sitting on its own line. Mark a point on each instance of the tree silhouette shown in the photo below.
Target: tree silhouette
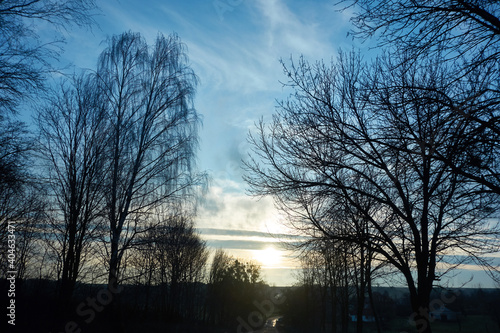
{"x": 465, "y": 33}
{"x": 234, "y": 284}
{"x": 346, "y": 140}
{"x": 24, "y": 59}
{"x": 73, "y": 144}
{"x": 152, "y": 132}
{"x": 182, "y": 256}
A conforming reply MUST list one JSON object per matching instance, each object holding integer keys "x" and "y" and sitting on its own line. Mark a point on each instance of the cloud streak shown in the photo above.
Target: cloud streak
{"x": 226, "y": 206}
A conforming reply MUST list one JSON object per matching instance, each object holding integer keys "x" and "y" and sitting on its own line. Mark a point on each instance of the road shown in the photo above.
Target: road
{"x": 270, "y": 326}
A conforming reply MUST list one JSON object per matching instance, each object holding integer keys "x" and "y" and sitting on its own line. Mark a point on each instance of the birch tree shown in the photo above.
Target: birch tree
{"x": 148, "y": 94}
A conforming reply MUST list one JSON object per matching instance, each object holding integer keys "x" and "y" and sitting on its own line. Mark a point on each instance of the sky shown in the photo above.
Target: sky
{"x": 234, "y": 47}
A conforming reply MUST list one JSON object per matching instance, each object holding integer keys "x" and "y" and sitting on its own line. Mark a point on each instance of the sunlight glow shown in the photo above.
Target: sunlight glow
{"x": 269, "y": 257}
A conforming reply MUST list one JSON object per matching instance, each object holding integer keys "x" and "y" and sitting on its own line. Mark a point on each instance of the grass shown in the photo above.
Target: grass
{"x": 469, "y": 324}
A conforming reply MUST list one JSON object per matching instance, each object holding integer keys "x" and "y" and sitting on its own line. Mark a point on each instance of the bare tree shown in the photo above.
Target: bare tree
{"x": 28, "y": 227}
{"x": 171, "y": 258}
{"x": 144, "y": 261}
{"x": 338, "y": 269}
{"x": 153, "y": 132}
{"x": 182, "y": 256}
{"x": 73, "y": 144}
{"x": 24, "y": 59}
{"x": 24, "y": 62}
{"x": 22, "y": 204}
{"x": 15, "y": 150}
{"x": 464, "y": 32}
{"x": 344, "y": 139}
{"x": 462, "y": 27}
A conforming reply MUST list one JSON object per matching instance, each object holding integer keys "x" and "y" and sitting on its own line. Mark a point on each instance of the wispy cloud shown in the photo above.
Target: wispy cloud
{"x": 291, "y": 33}
{"x": 226, "y": 206}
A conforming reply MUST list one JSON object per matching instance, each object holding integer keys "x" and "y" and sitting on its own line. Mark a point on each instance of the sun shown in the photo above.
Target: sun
{"x": 269, "y": 257}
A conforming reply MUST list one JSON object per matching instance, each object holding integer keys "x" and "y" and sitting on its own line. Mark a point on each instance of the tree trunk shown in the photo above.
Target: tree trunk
{"x": 345, "y": 298}
{"x": 421, "y": 318}
{"x": 114, "y": 261}
{"x": 333, "y": 293}
{"x": 420, "y": 299}
{"x": 361, "y": 291}
{"x": 68, "y": 275}
{"x": 372, "y": 305}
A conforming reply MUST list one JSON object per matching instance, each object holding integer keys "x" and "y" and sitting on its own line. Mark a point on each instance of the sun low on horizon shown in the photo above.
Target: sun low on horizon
{"x": 268, "y": 257}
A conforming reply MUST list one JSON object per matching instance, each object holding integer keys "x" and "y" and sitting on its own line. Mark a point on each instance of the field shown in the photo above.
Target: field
{"x": 468, "y": 324}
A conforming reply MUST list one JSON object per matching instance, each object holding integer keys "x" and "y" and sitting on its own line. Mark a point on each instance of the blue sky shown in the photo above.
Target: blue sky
{"x": 234, "y": 47}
